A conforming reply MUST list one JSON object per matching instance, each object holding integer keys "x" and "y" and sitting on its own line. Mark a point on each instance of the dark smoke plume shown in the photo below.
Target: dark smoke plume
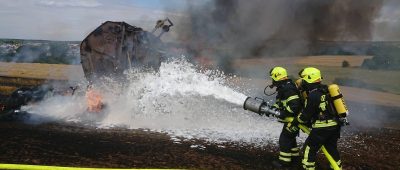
{"x": 276, "y": 27}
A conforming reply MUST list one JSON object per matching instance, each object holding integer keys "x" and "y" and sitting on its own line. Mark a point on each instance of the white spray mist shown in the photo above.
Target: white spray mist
{"x": 179, "y": 100}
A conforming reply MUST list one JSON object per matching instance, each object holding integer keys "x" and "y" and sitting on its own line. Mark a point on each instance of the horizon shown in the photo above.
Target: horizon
{"x": 73, "y": 20}
{"x": 81, "y": 40}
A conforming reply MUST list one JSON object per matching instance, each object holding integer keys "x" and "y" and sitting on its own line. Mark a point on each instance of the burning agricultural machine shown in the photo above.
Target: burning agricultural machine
{"x": 109, "y": 50}
{"x": 114, "y": 47}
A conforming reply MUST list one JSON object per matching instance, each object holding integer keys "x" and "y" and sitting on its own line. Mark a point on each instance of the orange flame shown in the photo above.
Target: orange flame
{"x": 94, "y": 101}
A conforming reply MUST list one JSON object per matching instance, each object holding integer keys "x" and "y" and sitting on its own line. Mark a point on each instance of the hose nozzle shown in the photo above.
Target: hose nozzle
{"x": 259, "y": 106}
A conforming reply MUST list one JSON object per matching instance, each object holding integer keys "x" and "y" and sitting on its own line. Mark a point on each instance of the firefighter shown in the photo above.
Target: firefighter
{"x": 318, "y": 111}
{"x": 289, "y": 104}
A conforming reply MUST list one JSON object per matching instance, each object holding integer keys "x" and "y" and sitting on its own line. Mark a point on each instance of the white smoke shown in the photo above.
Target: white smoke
{"x": 179, "y": 100}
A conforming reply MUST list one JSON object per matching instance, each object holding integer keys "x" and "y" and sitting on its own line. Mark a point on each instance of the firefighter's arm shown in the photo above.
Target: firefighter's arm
{"x": 279, "y": 107}
{"x": 293, "y": 103}
{"x": 291, "y": 106}
{"x": 294, "y": 106}
{"x": 310, "y": 108}
{"x": 276, "y": 105}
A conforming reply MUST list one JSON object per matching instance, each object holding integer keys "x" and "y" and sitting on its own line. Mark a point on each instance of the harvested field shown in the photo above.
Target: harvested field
{"x": 330, "y": 66}
{"x": 351, "y": 94}
{"x": 326, "y": 60}
{"x": 336, "y": 60}
{"x": 16, "y": 75}
{"x": 41, "y": 71}
{"x": 370, "y": 96}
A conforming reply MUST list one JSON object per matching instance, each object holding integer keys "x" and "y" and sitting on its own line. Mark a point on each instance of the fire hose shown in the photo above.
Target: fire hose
{"x": 258, "y": 105}
{"x": 41, "y": 167}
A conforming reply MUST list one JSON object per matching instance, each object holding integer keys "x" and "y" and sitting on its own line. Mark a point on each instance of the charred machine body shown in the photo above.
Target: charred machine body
{"x": 116, "y": 46}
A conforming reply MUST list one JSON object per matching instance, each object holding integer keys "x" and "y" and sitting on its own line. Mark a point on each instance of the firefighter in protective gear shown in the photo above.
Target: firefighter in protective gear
{"x": 289, "y": 104}
{"x": 318, "y": 111}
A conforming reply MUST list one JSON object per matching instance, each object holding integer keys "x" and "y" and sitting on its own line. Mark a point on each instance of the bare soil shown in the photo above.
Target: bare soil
{"x": 73, "y": 145}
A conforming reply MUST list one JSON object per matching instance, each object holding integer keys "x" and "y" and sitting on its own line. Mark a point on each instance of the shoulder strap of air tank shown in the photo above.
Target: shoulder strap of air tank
{"x": 324, "y": 90}
{"x": 335, "y": 97}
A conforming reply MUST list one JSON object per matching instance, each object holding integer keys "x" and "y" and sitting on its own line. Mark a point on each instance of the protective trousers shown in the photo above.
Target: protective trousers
{"x": 288, "y": 145}
{"x": 327, "y": 137}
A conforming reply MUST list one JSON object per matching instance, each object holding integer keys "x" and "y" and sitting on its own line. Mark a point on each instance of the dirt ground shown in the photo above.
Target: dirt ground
{"x": 73, "y": 145}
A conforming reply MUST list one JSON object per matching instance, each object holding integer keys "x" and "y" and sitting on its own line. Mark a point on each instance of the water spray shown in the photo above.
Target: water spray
{"x": 178, "y": 99}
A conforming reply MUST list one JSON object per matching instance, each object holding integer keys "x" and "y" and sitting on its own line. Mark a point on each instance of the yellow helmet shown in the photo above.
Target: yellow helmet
{"x": 278, "y": 73}
{"x": 310, "y": 75}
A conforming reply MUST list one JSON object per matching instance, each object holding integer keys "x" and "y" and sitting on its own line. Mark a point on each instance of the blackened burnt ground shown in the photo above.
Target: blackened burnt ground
{"x": 73, "y": 145}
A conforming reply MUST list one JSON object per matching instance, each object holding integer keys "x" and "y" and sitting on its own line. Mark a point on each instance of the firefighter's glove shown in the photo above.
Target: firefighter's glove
{"x": 272, "y": 109}
{"x": 282, "y": 118}
{"x": 293, "y": 126}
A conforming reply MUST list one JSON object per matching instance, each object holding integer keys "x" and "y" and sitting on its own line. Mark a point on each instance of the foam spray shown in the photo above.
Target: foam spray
{"x": 179, "y": 100}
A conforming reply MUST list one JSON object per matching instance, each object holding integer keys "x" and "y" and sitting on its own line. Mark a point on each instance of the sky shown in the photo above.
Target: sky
{"x": 74, "y": 19}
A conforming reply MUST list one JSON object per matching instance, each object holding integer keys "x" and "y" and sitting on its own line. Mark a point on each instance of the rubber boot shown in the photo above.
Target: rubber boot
{"x": 280, "y": 164}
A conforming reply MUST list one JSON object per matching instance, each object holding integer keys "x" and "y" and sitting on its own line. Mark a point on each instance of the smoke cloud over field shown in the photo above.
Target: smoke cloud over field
{"x": 277, "y": 27}
{"x": 240, "y": 28}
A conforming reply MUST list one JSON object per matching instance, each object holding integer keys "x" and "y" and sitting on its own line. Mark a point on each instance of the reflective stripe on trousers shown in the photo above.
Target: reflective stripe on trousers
{"x": 284, "y": 156}
{"x": 295, "y": 151}
{"x": 307, "y": 165}
{"x": 287, "y": 157}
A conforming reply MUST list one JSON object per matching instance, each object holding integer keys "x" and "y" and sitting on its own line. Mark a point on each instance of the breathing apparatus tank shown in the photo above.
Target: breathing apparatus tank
{"x": 336, "y": 98}
{"x": 338, "y": 101}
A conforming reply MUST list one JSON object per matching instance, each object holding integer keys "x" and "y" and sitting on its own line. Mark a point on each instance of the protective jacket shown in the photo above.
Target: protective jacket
{"x": 325, "y": 127}
{"x": 318, "y": 110}
{"x": 288, "y": 101}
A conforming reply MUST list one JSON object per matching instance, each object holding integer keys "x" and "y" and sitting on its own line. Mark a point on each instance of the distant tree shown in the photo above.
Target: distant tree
{"x": 345, "y": 63}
